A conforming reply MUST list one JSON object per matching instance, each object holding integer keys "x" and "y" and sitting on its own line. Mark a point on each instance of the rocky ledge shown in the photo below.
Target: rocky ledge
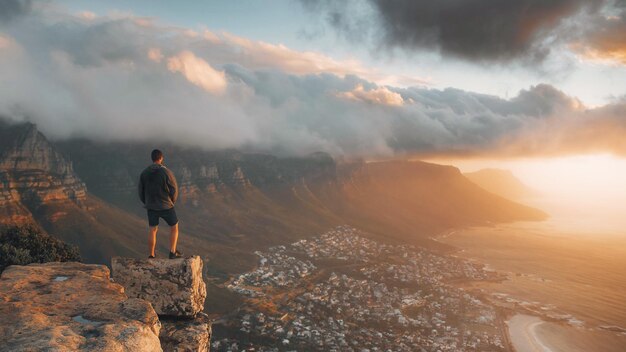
{"x": 177, "y": 291}
{"x": 186, "y": 335}
{"x": 77, "y": 307}
{"x": 174, "y": 286}
{"x": 72, "y": 307}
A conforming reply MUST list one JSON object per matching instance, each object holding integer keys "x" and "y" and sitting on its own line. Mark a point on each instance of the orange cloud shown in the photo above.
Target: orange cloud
{"x": 606, "y": 52}
{"x": 87, "y": 15}
{"x": 259, "y": 54}
{"x": 298, "y": 62}
{"x": 198, "y": 72}
{"x": 5, "y": 41}
{"x": 155, "y": 54}
{"x": 210, "y": 36}
{"x": 587, "y": 131}
{"x": 379, "y": 95}
{"x": 8, "y": 45}
{"x": 606, "y": 41}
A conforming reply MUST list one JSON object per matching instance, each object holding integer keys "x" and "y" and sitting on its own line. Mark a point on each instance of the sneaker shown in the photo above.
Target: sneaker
{"x": 151, "y": 257}
{"x": 175, "y": 255}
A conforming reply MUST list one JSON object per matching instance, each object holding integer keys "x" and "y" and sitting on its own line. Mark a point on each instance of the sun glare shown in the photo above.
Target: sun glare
{"x": 581, "y": 192}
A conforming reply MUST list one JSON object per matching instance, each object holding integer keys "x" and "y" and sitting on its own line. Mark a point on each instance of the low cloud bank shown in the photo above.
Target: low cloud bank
{"x": 129, "y": 78}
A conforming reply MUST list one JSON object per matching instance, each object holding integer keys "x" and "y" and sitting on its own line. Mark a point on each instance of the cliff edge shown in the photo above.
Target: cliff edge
{"x": 78, "y": 307}
{"x": 72, "y": 307}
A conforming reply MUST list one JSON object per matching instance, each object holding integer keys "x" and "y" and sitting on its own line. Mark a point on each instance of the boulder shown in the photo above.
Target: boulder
{"x": 173, "y": 286}
{"x": 186, "y": 335}
{"x": 72, "y": 307}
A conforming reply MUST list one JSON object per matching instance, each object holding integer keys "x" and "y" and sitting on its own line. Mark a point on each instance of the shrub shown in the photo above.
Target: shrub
{"x": 26, "y": 244}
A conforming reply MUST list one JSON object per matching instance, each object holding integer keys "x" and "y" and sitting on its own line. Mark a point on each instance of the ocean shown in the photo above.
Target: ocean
{"x": 573, "y": 280}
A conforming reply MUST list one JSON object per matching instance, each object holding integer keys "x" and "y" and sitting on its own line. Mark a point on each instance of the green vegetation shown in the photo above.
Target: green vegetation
{"x": 27, "y": 244}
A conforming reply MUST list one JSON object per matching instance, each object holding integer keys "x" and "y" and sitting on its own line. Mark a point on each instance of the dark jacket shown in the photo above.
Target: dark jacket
{"x": 157, "y": 188}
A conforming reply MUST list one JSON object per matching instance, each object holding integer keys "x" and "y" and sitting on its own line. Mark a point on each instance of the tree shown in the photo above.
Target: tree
{"x": 21, "y": 245}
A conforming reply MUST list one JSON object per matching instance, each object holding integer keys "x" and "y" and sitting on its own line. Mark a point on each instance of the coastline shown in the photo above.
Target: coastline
{"x": 544, "y": 308}
{"x": 522, "y": 330}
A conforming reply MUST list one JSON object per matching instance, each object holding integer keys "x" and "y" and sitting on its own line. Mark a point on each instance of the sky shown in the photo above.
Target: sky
{"x": 307, "y": 27}
{"x": 368, "y": 78}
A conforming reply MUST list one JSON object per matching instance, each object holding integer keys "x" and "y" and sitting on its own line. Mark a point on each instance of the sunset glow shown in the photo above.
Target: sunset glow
{"x": 313, "y": 175}
{"x": 582, "y": 192}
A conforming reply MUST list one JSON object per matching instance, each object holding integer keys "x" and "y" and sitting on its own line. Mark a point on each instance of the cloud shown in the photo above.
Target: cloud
{"x": 5, "y": 42}
{"x": 11, "y": 9}
{"x": 197, "y": 71}
{"x": 484, "y": 31}
{"x": 599, "y": 130}
{"x": 87, "y": 15}
{"x": 155, "y": 54}
{"x": 479, "y": 30}
{"x": 116, "y": 78}
{"x": 604, "y": 38}
{"x": 227, "y": 47}
{"x": 379, "y": 95}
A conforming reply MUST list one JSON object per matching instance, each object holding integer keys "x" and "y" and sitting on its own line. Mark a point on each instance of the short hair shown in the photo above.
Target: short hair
{"x": 156, "y": 155}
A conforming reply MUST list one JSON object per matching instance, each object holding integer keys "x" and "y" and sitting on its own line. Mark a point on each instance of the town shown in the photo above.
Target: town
{"x": 341, "y": 291}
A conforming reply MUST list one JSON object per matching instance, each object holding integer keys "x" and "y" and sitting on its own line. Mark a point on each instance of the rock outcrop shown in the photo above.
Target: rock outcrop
{"x": 177, "y": 291}
{"x": 72, "y": 307}
{"x": 173, "y": 286}
{"x": 12, "y": 211}
{"x": 186, "y": 335}
{"x": 33, "y": 173}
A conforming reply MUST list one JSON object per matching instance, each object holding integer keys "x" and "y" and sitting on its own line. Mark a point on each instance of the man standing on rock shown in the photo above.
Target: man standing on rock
{"x": 158, "y": 192}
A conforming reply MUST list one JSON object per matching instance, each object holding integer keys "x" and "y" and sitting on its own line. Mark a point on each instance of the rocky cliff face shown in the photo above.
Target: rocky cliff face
{"x": 72, "y": 307}
{"x": 186, "y": 335}
{"x": 231, "y": 203}
{"x": 174, "y": 287}
{"x": 77, "y": 307}
{"x": 33, "y": 173}
{"x": 12, "y": 211}
{"x": 38, "y": 185}
{"x": 113, "y": 174}
{"x": 177, "y": 291}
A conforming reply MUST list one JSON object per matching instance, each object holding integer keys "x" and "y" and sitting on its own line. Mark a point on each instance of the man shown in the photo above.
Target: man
{"x": 158, "y": 192}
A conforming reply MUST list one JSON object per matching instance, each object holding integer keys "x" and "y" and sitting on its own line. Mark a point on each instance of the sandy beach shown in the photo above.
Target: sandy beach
{"x": 523, "y": 333}
{"x": 532, "y": 334}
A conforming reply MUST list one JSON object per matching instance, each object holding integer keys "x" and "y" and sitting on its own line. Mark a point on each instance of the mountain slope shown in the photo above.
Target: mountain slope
{"x": 502, "y": 183}
{"x": 39, "y": 186}
{"x": 246, "y": 200}
{"x": 411, "y": 200}
{"x": 231, "y": 203}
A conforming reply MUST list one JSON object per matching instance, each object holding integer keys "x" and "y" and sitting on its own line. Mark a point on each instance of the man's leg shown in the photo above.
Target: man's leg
{"x": 152, "y": 239}
{"x": 173, "y": 238}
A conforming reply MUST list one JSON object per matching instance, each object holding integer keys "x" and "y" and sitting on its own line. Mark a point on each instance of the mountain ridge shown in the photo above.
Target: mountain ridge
{"x": 501, "y": 182}
{"x": 232, "y": 203}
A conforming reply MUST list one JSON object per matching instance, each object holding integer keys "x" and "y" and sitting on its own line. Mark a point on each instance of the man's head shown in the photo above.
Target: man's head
{"x": 157, "y": 156}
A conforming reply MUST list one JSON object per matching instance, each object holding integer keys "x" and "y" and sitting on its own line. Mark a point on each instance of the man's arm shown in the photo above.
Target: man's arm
{"x": 142, "y": 195}
{"x": 172, "y": 185}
